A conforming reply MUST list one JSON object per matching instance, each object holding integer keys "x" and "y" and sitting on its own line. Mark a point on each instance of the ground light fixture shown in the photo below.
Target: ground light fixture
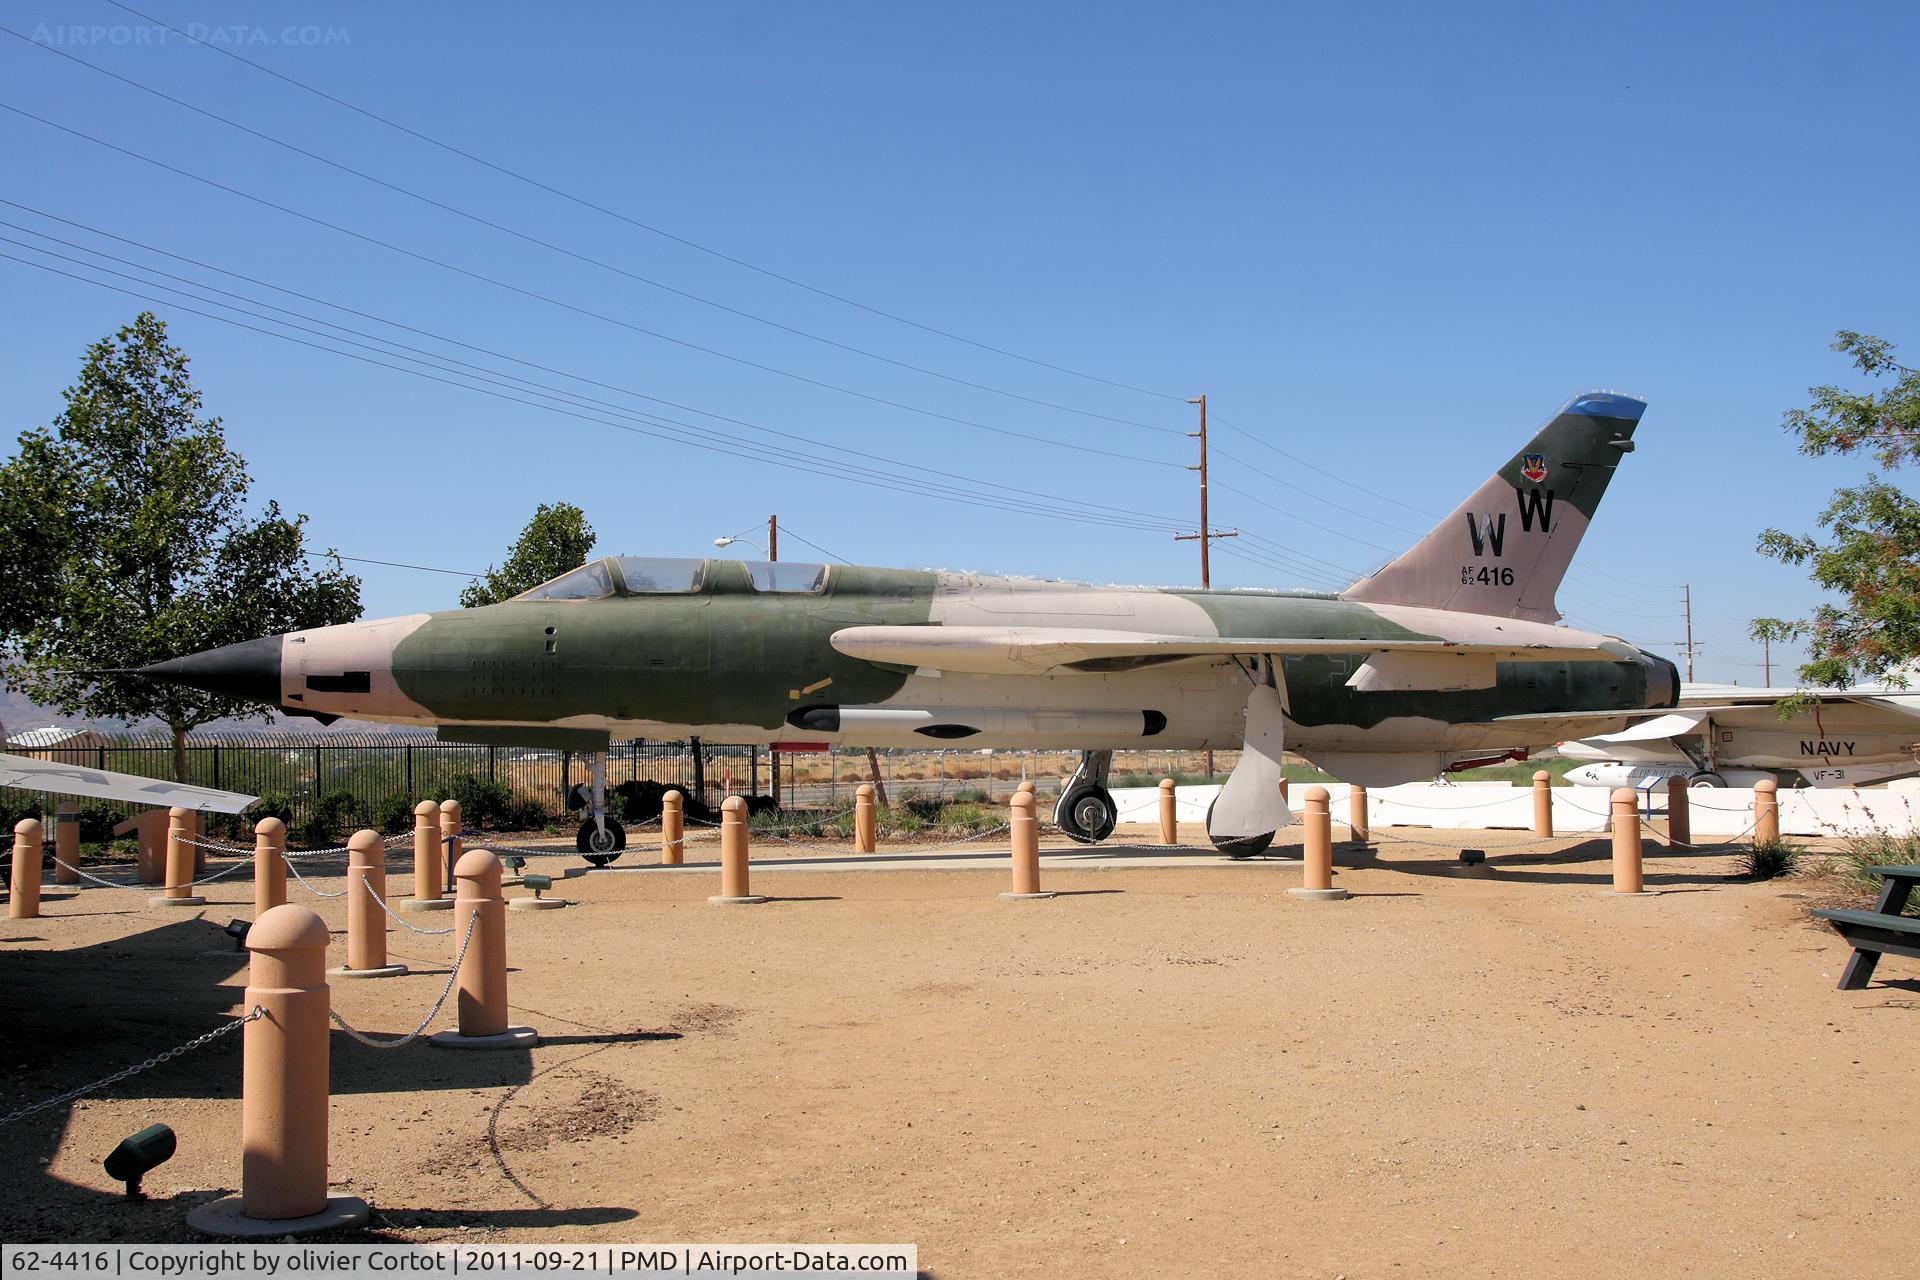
{"x": 513, "y": 863}
{"x": 1473, "y": 857}
{"x": 139, "y": 1155}
{"x": 535, "y": 881}
{"x": 237, "y": 930}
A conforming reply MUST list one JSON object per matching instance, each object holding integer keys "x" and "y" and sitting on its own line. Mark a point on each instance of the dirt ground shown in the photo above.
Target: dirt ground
{"x": 1163, "y": 1071}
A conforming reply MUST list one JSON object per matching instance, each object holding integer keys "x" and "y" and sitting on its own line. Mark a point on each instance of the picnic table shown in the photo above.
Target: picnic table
{"x": 1881, "y": 931}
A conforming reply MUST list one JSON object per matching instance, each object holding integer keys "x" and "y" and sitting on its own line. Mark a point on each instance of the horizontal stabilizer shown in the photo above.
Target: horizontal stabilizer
{"x": 58, "y": 778}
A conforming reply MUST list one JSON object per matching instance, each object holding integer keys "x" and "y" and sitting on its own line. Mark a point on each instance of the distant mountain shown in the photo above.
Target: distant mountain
{"x": 20, "y": 713}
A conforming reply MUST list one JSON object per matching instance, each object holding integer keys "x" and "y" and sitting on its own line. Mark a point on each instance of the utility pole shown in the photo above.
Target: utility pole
{"x": 1766, "y": 661}
{"x": 1689, "y": 647}
{"x": 1205, "y": 537}
{"x": 773, "y": 538}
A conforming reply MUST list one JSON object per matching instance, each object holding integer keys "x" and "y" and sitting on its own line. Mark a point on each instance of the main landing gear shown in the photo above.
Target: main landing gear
{"x": 1243, "y": 818}
{"x": 1086, "y": 811}
{"x": 600, "y": 838}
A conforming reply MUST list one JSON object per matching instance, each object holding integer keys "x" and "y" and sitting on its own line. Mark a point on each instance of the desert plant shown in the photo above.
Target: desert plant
{"x": 1768, "y": 859}
{"x": 482, "y": 803}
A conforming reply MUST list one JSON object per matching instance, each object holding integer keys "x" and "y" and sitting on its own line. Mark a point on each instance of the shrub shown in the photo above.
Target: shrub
{"x": 1768, "y": 859}
{"x": 972, "y": 795}
{"x": 332, "y": 813}
{"x": 482, "y": 803}
{"x": 973, "y": 817}
{"x": 393, "y": 812}
{"x": 526, "y": 814}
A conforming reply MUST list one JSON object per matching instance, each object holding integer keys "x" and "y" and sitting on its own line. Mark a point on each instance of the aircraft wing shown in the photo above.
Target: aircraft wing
{"x": 1025, "y": 650}
{"x": 59, "y": 778}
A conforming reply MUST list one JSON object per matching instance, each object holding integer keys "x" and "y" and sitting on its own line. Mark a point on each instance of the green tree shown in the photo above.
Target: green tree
{"x": 557, "y": 539}
{"x": 132, "y": 521}
{"x": 1870, "y": 555}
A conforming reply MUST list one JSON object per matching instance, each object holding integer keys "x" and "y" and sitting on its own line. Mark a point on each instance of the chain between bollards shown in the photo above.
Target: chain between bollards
{"x": 136, "y": 1069}
{"x": 417, "y": 1032}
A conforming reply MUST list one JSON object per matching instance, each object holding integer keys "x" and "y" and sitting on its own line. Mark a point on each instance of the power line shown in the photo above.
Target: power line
{"x": 788, "y": 531}
{"x": 1308, "y": 493}
{"x": 1337, "y": 478}
{"x": 643, "y": 226}
{"x": 756, "y": 453}
{"x": 573, "y": 398}
{"x": 541, "y": 297}
{"x": 391, "y": 564}
{"x": 563, "y": 250}
{"x": 1302, "y": 519}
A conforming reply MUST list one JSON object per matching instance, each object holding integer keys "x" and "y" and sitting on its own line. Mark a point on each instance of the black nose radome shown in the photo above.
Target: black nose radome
{"x": 249, "y": 670}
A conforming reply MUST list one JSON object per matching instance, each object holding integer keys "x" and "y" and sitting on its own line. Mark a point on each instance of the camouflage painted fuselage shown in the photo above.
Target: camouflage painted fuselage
{"x": 729, "y": 663}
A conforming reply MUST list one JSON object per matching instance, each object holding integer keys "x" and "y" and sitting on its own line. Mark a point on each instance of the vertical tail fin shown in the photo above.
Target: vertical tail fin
{"x": 1504, "y": 550}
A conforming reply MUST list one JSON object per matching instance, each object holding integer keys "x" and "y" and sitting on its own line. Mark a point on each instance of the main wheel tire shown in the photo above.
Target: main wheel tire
{"x": 1089, "y": 815}
{"x": 1241, "y": 846}
{"x": 601, "y": 847}
{"x": 1706, "y": 779}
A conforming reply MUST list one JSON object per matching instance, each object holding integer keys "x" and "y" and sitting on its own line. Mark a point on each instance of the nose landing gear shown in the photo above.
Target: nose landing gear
{"x": 600, "y": 838}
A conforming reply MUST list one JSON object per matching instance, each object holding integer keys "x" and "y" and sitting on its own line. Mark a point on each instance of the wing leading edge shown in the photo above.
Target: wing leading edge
{"x": 1029, "y": 650}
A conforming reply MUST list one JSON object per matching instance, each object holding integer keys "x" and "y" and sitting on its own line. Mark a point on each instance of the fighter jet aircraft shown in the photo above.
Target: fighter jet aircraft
{"x": 1447, "y": 656}
{"x": 1723, "y": 734}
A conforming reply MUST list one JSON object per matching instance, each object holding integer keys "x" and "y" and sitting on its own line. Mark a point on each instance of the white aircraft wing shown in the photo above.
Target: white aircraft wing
{"x": 77, "y": 780}
{"x": 1023, "y": 650}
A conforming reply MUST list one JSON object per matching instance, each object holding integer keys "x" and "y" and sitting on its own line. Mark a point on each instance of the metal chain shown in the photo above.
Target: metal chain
{"x": 390, "y": 911}
{"x": 136, "y": 1069}
{"x": 432, "y": 1013}
{"x": 308, "y": 884}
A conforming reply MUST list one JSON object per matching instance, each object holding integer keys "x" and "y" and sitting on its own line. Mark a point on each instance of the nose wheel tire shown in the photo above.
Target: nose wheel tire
{"x": 601, "y": 847}
{"x": 1241, "y": 846}
{"x": 1089, "y": 815}
{"x": 1706, "y": 779}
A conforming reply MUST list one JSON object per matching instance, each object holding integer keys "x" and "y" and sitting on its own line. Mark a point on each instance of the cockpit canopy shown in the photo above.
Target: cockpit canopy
{"x": 663, "y": 575}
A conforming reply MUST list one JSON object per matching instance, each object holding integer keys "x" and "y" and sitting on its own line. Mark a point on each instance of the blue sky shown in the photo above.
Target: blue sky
{"x": 1387, "y": 240}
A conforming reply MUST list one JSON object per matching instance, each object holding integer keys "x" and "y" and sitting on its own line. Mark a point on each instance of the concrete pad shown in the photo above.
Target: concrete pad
{"x": 384, "y": 971}
{"x": 511, "y": 1038}
{"x": 537, "y": 904}
{"x": 426, "y": 904}
{"x": 223, "y": 1217}
{"x": 191, "y": 900}
{"x": 1320, "y": 895}
{"x": 751, "y": 899}
{"x": 1025, "y": 897}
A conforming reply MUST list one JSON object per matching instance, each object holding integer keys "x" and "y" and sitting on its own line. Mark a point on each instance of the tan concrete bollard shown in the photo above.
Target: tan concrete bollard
{"x": 429, "y": 889}
{"x": 27, "y": 854}
{"x": 1026, "y": 785}
{"x": 179, "y": 890}
{"x": 366, "y": 919}
{"x": 734, "y": 891}
{"x": 1625, "y": 820}
{"x": 149, "y": 830}
{"x": 1766, "y": 811}
{"x": 1024, "y": 838}
{"x": 269, "y": 865}
{"x": 1357, "y": 822}
{"x": 1679, "y": 815}
{"x": 482, "y": 1002}
{"x": 66, "y": 843}
{"x": 451, "y": 844}
{"x": 1316, "y": 873}
{"x": 865, "y": 820}
{"x": 673, "y": 829}
{"x": 1169, "y": 813}
{"x": 1542, "y": 803}
{"x": 283, "y": 1089}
